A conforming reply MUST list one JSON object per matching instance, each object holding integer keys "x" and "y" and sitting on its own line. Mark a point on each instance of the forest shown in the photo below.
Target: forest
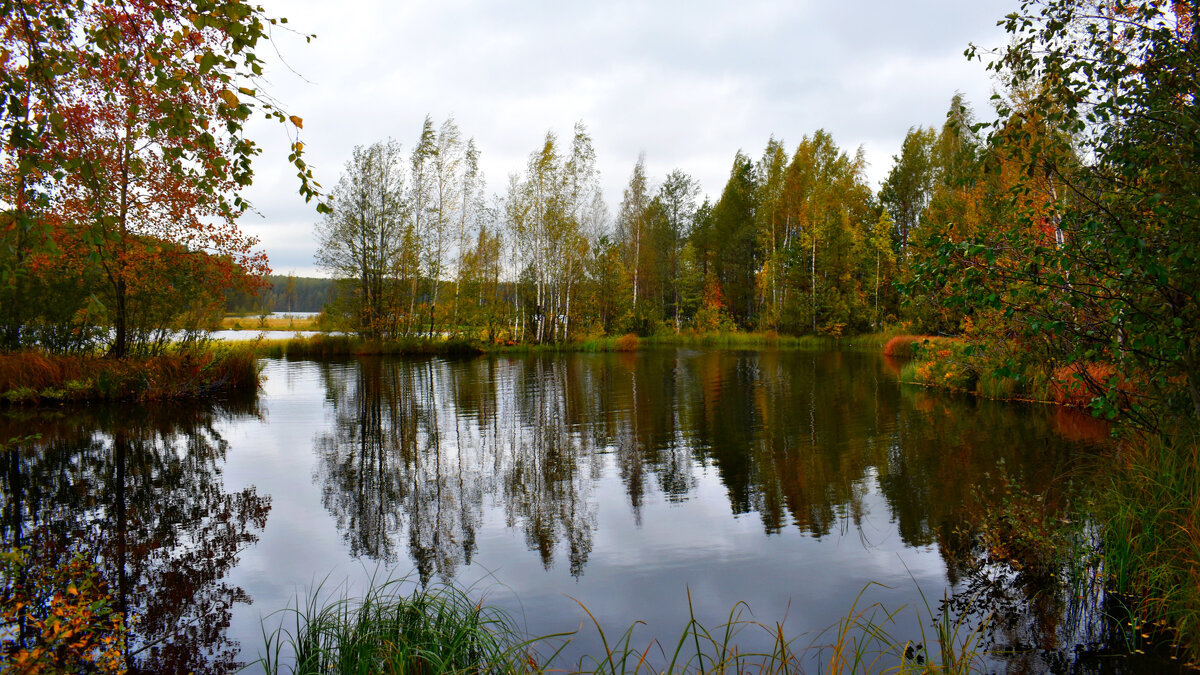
{"x": 796, "y": 243}
{"x": 281, "y": 293}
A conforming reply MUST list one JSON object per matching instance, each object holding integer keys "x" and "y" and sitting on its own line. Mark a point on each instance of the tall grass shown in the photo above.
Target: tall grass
{"x": 862, "y": 642}
{"x": 437, "y": 629}
{"x": 398, "y": 627}
{"x": 39, "y": 378}
{"x": 1150, "y": 508}
{"x": 326, "y": 346}
{"x": 739, "y": 340}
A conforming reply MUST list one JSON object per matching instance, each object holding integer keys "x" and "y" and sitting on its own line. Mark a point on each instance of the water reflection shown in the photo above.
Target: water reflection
{"x": 139, "y": 492}
{"x": 417, "y": 447}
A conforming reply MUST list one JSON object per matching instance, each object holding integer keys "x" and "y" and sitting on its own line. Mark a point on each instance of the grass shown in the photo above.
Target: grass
{"x": 1150, "y": 507}
{"x": 31, "y": 378}
{"x": 325, "y": 346}
{"x": 399, "y": 627}
{"x": 862, "y": 642}
{"x": 772, "y": 340}
{"x": 431, "y": 630}
{"x": 256, "y": 323}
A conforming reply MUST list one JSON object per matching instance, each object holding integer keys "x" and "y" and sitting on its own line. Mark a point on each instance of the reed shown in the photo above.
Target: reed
{"x": 257, "y": 323}
{"x": 1150, "y": 509}
{"x": 436, "y": 629}
{"x": 902, "y": 345}
{"x": 331, "y": 346}
{"x": 34, "y": 378}
{"x": 399, "y": 626}
{"x": 739, "y": 340}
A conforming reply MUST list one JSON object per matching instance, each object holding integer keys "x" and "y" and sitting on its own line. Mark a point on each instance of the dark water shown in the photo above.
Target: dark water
{"x": 785, "y": 480}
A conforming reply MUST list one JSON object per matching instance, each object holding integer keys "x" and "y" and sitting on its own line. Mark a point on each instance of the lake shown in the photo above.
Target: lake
{"x": 626, "y": 483}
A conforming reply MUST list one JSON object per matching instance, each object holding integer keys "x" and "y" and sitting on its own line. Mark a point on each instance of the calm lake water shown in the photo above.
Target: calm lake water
{"x": 623, "y": 482}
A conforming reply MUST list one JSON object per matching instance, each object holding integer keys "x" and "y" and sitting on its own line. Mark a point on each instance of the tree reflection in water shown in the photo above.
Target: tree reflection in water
{"x": 417, "y": 445}
{"x": 139, "y": 492}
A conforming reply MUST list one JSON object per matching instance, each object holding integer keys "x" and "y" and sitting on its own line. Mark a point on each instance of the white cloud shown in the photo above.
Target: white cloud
{"x": 688, "y": 83}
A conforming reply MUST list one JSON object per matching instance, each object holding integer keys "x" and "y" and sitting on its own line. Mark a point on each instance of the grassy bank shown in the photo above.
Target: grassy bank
{"x": 31, "y": 378}
{"x": 960, "y": 365}
{"x": 323, "y": 346}
{"x": 326, "y": 346}
{"x": 1145, "y": 495}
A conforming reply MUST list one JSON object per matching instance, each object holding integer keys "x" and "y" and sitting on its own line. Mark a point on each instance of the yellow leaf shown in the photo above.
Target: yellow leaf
{"x": 299, "y": 146}
{"x": 246, "y": 90}
{"x": 231, "y": 98}
{"x": 297, "y": 121}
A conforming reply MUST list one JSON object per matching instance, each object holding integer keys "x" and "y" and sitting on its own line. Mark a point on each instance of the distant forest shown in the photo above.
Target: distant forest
{"x": 283, "y": 294}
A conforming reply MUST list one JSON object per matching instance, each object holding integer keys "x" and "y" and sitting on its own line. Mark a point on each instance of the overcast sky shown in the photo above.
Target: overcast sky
{"x": 688, "y": 83}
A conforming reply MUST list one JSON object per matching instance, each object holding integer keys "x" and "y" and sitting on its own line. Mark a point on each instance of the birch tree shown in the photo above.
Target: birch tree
{"x": 420, "y": 202}
{"x": 447, "y": 183}
{"x": 362, "y": 238}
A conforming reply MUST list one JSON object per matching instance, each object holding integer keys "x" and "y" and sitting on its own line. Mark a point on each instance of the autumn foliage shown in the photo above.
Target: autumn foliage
{"x": 58, "y": 617}
{"x": 902, "y": 345}
{"x": 122, "y": 159}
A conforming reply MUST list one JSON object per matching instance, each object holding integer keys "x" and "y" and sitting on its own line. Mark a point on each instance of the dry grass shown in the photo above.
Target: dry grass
{"x": 902, "y": 345}
{"x": 270, "y": 323}
{"x": 627, "y": 343}
{"x": 38, "y": 378}
{"x": 1075, "y": 384}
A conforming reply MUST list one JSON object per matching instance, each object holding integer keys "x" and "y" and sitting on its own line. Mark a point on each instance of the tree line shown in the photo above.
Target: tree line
{"x": 796, "y": 242}
{"x": 282, "y": 293}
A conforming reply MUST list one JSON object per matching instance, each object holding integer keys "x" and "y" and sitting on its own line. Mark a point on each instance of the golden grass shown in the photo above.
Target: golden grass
{"x": 627, "y": 343}
{"x": 902, "y": 345}
{"x": 35, "y": 377}
{"x": 270, "y": 323}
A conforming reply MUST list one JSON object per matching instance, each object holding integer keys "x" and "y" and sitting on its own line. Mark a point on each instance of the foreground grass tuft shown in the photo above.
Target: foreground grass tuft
{"x": 1151, "y": 512}
{"x": 391, "y": 630}
{"x": 399, "y": 627}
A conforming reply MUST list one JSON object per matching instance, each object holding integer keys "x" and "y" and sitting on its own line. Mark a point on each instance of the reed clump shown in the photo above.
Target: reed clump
{"x": 1150, "y": 509}
{"x": 903, "y": 345}
{"x": 32, "y": 378}
{"x": 741, "y": 340}
{"x": 391, "y": 629}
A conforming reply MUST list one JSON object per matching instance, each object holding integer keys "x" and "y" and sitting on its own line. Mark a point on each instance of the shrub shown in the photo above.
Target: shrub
{"x": 902, "y": 345}
{"x": 627, "y": 343}
{"x": 67, "y": 618}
